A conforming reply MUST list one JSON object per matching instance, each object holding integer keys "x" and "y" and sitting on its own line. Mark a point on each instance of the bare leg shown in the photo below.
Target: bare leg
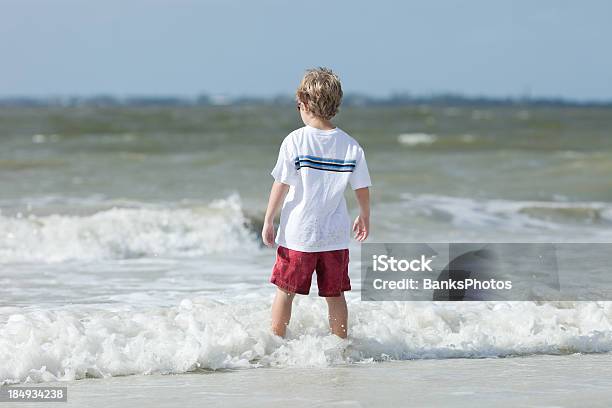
{"x": 281, "y": 311}
{"x": 338, "y": 315}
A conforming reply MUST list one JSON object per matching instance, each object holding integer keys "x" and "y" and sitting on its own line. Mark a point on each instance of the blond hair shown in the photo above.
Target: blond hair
{"x": 321, "y": 92}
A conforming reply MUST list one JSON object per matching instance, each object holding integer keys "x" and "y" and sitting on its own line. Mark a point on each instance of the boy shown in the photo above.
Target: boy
{"x": 314, "y": 165}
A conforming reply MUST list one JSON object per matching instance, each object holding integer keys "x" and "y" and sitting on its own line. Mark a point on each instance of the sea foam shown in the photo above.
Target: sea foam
{"x": 537, "y": 215}
{"x": 121, "y": 233}
{"x": 198, "y": 333}
{"x": 414, "y": 139}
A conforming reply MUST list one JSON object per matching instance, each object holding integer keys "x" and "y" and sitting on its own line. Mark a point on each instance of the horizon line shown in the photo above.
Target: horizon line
{"x": 351, "y": 99}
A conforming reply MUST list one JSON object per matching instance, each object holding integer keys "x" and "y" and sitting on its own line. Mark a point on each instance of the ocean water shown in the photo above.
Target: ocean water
{"x": 129, "y": 237}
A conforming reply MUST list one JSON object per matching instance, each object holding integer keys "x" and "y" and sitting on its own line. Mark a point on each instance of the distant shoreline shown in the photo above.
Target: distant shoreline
{"x": 397, "y": 100}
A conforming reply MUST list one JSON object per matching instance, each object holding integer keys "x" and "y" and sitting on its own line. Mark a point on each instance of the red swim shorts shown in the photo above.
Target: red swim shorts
{"x": 293, "y": 271}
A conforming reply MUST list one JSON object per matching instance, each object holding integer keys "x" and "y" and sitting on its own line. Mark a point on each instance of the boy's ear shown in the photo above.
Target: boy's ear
{"x": 303, "y": 98}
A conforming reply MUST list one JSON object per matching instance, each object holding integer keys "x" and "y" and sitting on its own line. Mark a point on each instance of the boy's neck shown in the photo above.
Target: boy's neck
{"x": 320, "y": 124}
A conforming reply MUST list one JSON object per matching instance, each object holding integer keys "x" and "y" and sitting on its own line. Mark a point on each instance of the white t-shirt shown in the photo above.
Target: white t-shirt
{"x": 318, "y": 165}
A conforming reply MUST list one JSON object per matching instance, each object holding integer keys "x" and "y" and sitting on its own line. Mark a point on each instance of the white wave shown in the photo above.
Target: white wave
{"x": 202, "y": 334}
{"x": 40, "y": 138}
{"x": 512, "y": 215}
{"x": 120, "y": 233}
{"x": 414, "y": 139}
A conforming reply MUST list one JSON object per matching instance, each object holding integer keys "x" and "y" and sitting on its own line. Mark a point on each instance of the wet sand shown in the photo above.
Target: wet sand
{"x": 535, "y": 381}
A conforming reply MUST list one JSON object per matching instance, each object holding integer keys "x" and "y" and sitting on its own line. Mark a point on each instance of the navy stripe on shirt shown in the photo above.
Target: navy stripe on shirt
{"x": 322, "y": 163}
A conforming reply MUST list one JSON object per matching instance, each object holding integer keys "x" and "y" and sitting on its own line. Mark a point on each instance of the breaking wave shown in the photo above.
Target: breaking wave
{"x": 471, "y": 212}
{"x": 427, "y": 139}
{"x": 121, "y": 233}
{"x": 197, "y": 334}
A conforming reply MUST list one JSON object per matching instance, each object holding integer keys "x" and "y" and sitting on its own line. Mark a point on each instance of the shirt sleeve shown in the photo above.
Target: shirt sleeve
{"x": 285, "y": 171}
{"x": 360, "y": 177}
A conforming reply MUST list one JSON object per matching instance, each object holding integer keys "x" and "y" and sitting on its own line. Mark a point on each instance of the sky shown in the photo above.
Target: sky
{"x": 546, "y": 48}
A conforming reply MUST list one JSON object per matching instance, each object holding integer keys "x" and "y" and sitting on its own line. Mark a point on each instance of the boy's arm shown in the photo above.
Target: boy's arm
{"x": 361, "y": 226}
{"x": 277, "y": 195}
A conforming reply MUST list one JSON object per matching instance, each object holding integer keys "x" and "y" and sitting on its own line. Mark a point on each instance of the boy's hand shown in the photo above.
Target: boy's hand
{"x": 267, "y": 234}
{"x": 361, "y": 227}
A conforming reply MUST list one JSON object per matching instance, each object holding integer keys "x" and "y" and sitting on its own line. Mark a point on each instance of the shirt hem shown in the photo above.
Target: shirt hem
{"x": 284, "y": 180}
{"x": 358, "y": 186}
{"x": 302, "y": 248}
